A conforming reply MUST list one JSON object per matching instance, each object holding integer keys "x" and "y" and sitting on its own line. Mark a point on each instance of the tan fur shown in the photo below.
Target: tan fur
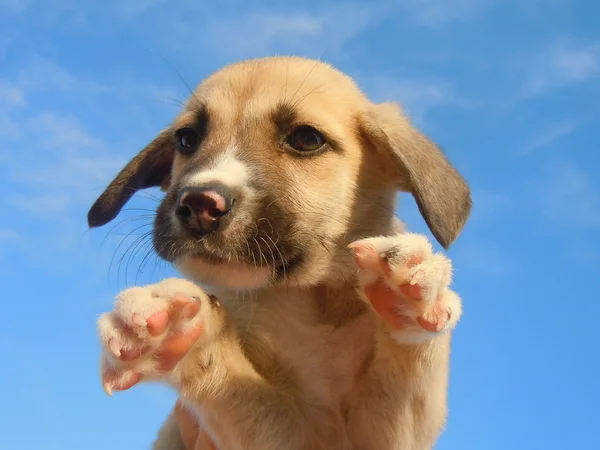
{"x": 301, "y": 361}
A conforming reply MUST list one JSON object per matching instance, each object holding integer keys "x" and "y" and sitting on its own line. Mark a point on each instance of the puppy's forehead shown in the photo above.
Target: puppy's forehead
{"x": 255, "y": 89}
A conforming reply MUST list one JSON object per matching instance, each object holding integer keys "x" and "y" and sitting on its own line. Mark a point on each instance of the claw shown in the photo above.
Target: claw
{"x": 416, "y": 278}
{"x": 432, "y": 327}
{"x": 115, "y": 347}
{"x": 139, "y": 320}
{"x": 119, "y": 381}
{"x": 107, "y": 388}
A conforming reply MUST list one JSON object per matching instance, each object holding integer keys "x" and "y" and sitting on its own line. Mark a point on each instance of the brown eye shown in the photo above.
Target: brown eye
{"x": 305, "y": 139}
{"x": 187, "y": 140}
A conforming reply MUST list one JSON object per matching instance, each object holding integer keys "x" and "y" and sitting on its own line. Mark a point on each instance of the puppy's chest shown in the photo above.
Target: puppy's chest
{"x": 314, "y": 343}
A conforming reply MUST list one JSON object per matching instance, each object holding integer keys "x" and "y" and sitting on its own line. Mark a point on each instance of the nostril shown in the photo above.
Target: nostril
{"x": 213, "y": 203}
{"x": 184, "y": 211}
{"x": 216, "y": 212}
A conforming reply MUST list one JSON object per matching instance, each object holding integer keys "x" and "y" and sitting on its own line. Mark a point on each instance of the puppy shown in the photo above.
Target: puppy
{"x": 321, "y": 323}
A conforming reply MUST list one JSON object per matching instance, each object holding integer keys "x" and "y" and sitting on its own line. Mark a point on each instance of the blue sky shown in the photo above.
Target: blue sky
{"x": 510, "y": 90}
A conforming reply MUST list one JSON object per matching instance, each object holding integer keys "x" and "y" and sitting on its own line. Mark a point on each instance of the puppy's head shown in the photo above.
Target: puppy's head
{"x": 274, "y": 166}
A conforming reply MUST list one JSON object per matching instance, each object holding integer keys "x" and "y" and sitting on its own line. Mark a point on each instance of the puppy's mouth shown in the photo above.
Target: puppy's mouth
{"x": 253, "y": 268}
{"x": 255, "y": 256}
{"x": 253, "y": 248}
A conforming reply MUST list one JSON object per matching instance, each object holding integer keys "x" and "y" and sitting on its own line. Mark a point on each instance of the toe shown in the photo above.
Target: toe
{"x": 157, "y": 323}
{"x": 365, "y": 256}
{"x": 183, "y": 309}
{"x": 135, "y": 306}
{"x": 117, "y": 338}
{"x": 435, "y": 319}
{"x": 427, "y": 325}
{"x": 113, "y": 380}
{"x": 412, "y": 291}
{"x": 175, "y": 347}
{"x": 131, "y": 355}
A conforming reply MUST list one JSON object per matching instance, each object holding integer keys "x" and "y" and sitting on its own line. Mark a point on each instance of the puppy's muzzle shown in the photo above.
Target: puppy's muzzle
{"x": 203, "y": 208}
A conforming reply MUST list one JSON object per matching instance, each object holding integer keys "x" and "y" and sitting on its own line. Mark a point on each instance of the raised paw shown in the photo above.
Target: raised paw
{"x": 151, "y": 329}
{"x": 407, "y": 284}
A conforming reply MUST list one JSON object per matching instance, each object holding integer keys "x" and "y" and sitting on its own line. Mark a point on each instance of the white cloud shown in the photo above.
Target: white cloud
{"x": 489, "y": 204}
{"x": 306, "y": 30}
{"x": 9, "y": 129}
{"x": 131, "y": 8}
{"x": 436, "y": 13}
{"x": 11, "y": 97}
{"x": 40, "y": 204}
{"x": 134, "y": 89}
{"x": 9, "y": 239}
{"x": 14, "y": 6}
{"x": 40, "y": 74}
{"x": 324, "y": 27}
{"x": 11, "y": 94}
{"x": 276, "y": 27}
{"x": 417, "y": 97}
{"x": 480, "y": 255}
{"x": 65, "y": 14}
{"x": 72, "y": 163}
{"x": 549, "y": 135}
{"x": 5, "y": 43}
{"x": 65, "y": 164}
{"x": 8, "y": 235}
{"x": 564, "y": 63}
{"x": 63, "y": 132}
{"x": 570, "y": 197}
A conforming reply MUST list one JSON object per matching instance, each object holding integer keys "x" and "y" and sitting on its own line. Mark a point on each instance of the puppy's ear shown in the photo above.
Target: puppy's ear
{"x": 419, "y": 167}
{"x": 151, "y": 167}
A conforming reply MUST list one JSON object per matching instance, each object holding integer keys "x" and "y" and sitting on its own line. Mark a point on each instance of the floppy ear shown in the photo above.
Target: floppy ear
{"x": 418, "y": 166}
{"x": 151, "y": 167}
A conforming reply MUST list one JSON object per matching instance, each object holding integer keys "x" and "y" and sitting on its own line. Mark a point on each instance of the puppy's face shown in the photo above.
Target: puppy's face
{"x": 274, "y": 166}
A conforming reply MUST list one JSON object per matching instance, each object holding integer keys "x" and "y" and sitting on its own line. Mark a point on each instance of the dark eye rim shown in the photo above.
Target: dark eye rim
{"x": 324, "y": 143}
{"x": 182, "y": 132}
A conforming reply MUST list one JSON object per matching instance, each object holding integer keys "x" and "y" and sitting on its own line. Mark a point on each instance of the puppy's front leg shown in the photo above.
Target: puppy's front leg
{"x": 175, "y": 333}
{"x": 408, "y": 286}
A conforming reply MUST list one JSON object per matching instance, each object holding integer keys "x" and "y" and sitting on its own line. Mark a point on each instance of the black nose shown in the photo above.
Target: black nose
{"x": 202, "y": 208}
